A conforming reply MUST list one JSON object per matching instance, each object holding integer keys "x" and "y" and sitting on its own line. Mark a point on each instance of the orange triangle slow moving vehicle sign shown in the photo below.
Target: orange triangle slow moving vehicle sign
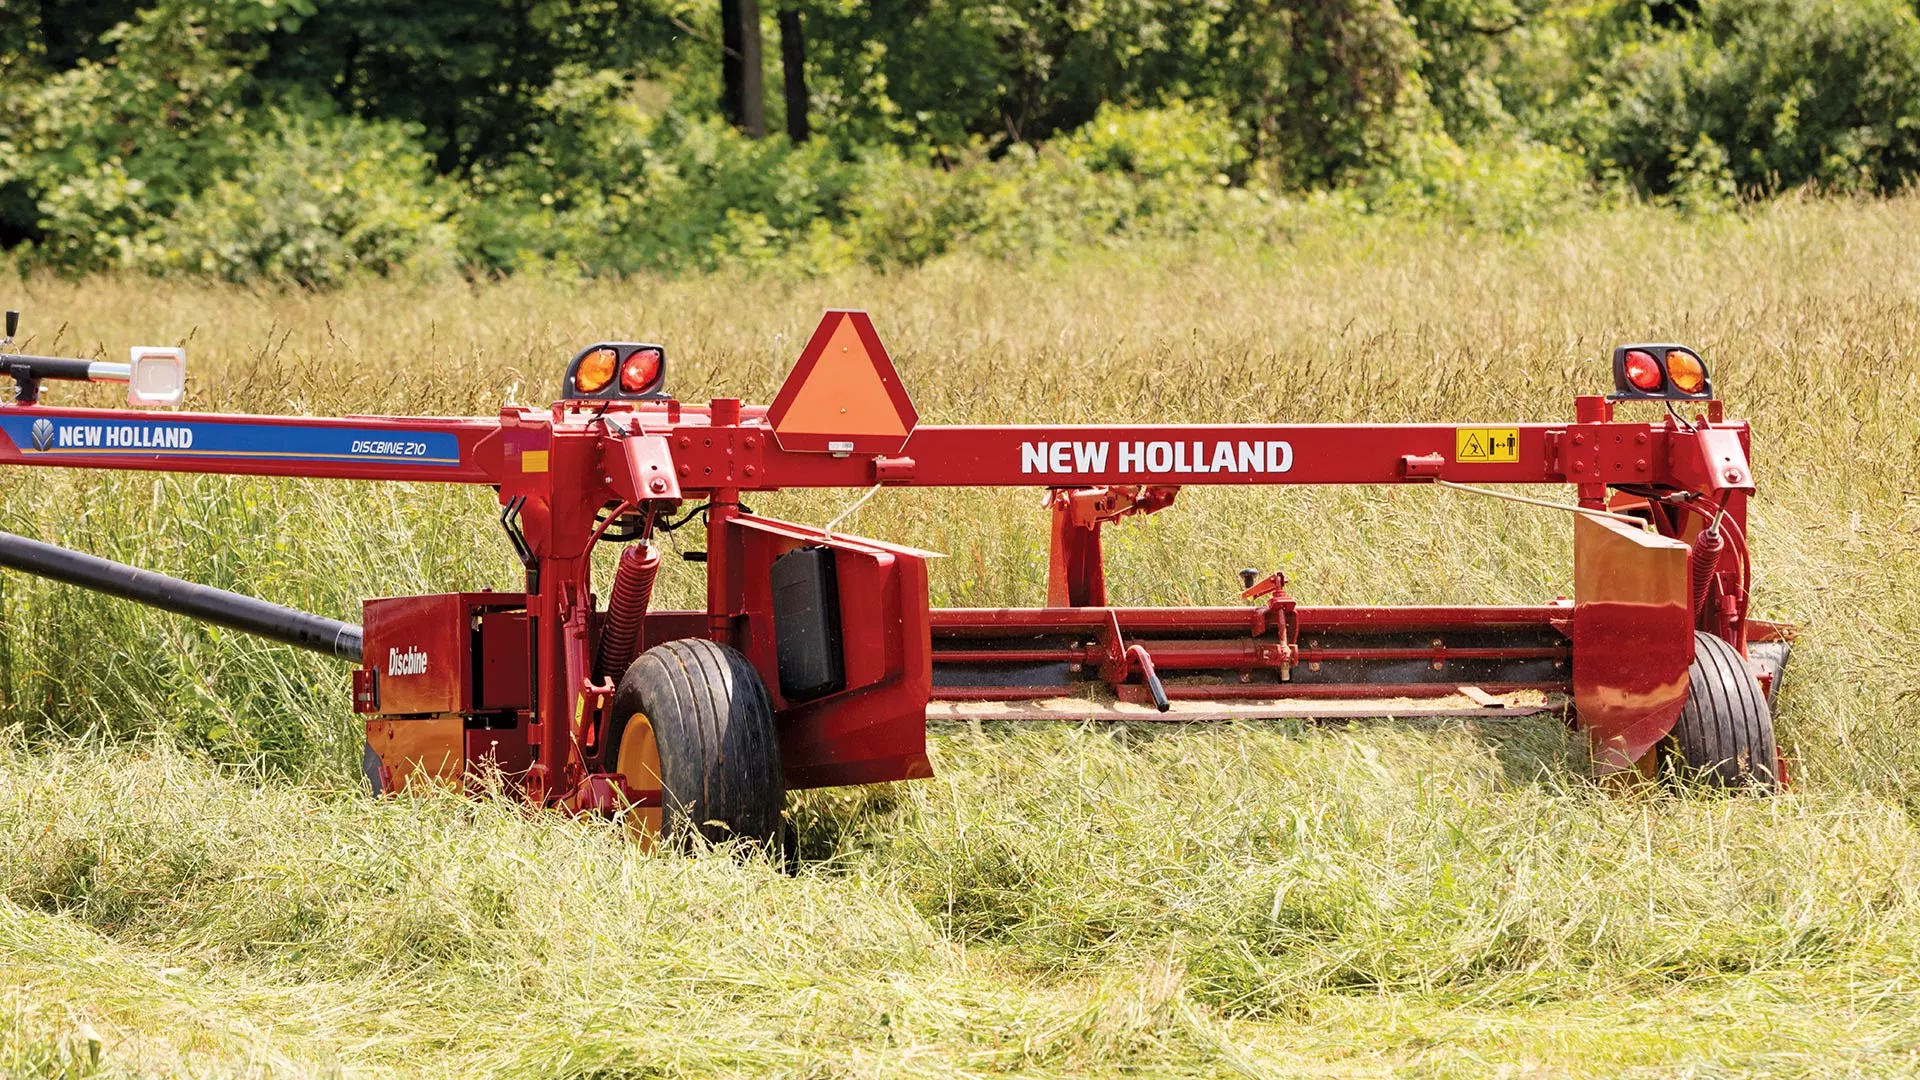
{"x": 843, "y": 395}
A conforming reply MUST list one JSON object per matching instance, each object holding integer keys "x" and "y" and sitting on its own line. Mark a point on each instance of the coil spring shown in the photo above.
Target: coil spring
{"x": 1706, "y": 555}
{"x": 626, "y": 610}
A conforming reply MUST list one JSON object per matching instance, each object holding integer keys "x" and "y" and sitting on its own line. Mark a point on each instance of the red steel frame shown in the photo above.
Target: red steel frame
{"x": 1621, "y": 646}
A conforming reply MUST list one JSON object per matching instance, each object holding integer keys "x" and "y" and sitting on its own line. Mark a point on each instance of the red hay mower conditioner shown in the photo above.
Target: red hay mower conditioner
{"x": 817, "y": 659}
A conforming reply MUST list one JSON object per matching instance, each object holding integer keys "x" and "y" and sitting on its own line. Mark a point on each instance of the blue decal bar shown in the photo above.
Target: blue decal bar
{"x": 64, "y": 437}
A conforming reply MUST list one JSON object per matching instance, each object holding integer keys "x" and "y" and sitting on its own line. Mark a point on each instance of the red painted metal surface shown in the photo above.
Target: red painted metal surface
{"x": 1171, "y": 455}
{"x": 1475, "y": 704}
{"x": 426, "y": 751}
{"x": 1077, "y": 574}
{"x": 741, "y": 455}
{"x": 516, "y": 672}
{"x": 875, "y": 727}
{"x": 627, "y": 601}
{"x": 1633, "y": 638}
{"x": 421, "y": 649}
{"x": 960, "y": 622}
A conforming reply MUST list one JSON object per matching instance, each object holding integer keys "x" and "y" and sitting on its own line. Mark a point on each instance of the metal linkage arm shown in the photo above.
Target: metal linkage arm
{"x": 748, "y": 457}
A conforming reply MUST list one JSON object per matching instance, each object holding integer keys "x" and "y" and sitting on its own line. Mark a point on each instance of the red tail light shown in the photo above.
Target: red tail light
{"x": 641, "y": 370}
{"x": 1643, "y": 371}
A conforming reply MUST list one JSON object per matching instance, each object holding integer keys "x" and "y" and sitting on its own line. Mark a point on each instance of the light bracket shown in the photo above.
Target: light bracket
{"x": 1624, "y": 390}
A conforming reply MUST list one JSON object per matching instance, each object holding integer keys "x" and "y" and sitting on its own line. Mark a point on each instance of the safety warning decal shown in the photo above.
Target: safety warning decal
{"x": 1486, "y": 445}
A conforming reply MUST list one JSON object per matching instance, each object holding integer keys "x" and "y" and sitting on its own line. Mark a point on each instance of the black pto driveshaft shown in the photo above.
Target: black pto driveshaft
{"x": 203, "y": 602}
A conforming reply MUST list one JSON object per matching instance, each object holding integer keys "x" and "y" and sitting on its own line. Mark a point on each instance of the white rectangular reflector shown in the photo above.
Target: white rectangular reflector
{"x": 156, "y": 376}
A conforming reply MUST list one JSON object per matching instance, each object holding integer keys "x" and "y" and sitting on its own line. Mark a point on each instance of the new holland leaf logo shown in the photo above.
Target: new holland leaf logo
{"x": 42, "y": 433}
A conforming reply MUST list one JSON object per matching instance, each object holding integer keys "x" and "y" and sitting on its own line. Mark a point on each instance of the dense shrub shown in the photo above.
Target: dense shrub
{"x": 1507, "y": 185}
{"x": 1328, "y": 86}
{"x": 105, "y": 149}
{"x": 1182, "y": 141}
{"x": 1024, "y": 204}
{"x": 612, "y": 188}
{"x": 1320, "y": 85}
{"x": 315, "y": 201}
{"x": 1769, "y": 94}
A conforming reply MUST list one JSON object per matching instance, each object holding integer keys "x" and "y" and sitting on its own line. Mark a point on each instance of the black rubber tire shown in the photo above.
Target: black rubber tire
{"x": 1724, "y": 737}
{"x": 719, "y": 752}
{"x": 370, "y": 768}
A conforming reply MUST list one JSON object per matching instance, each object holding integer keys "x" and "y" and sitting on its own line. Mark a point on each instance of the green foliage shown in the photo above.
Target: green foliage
{"x": 1320, "y": 85}
{"x": 1324, "y": 87}
{"x": 153, "y": 158}
{"x": 1509, "y": 185}
{"x": 1463, "y": 44}
{"x": 612, "y": 189}
{"x": 1769, "y": 94}
{"x": 311, "y": 140}
{"x": 1126, "y": 174}
{"x": 1181, "y": 141}
{"x": 107, "y": 148}
{"x": 316, "y": 200}
{"x": 469, "y": 73}
{"x": 1024, "y": 204}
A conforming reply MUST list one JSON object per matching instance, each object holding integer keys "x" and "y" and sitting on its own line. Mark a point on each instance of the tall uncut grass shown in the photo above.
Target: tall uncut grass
{"x": 190, "y": 885}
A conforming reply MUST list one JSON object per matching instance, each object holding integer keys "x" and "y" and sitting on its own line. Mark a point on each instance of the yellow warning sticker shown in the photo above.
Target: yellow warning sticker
{"x": 1484, "y": 445}
{"x": 533, "y": 461}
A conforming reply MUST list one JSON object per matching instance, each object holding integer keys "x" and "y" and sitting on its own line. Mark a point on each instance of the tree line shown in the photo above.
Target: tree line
{"x": 222, "y": 135}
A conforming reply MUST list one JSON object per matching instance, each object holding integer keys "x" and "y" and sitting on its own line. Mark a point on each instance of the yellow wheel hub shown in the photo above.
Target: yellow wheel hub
{"x": 639, "y": 764}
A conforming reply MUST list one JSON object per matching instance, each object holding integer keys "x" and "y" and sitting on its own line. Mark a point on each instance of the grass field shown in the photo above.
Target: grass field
{"x": 190, "y": 884}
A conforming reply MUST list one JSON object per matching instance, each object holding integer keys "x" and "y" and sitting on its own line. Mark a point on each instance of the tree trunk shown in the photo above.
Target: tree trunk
{"x": 742, "y": 98}
{"x": 793, "y": 65}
